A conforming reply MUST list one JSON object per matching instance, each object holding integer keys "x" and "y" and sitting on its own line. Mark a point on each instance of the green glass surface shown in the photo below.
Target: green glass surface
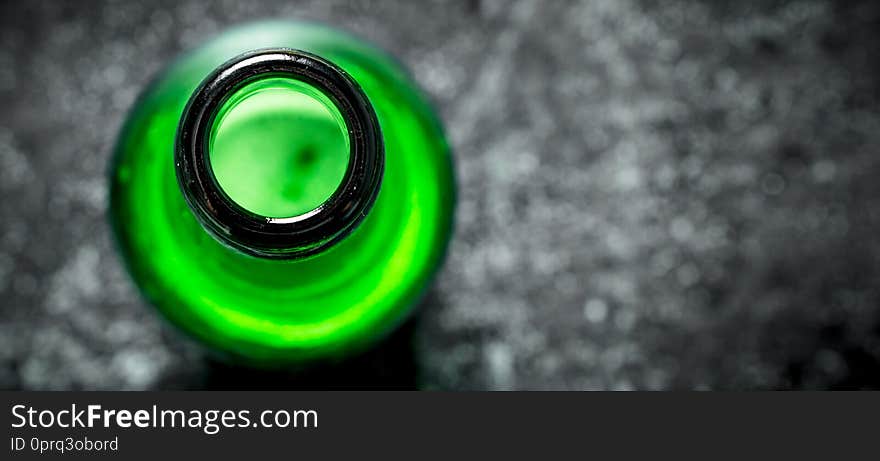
{"x": 274, "y": 311}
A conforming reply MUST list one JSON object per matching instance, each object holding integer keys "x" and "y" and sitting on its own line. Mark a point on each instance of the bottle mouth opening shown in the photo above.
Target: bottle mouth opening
{"x": 279, "y": 147}
{"x": 279, "y": 154}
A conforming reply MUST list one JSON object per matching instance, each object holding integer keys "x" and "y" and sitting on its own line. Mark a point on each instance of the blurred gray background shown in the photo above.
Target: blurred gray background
{"x": 653, "y": 194}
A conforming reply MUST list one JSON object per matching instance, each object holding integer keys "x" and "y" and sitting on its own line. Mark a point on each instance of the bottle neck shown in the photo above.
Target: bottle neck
{"x": 247, "y": 228}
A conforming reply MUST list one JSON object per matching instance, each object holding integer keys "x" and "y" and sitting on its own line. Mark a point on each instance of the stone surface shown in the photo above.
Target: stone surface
{"x": 653, "y": 195}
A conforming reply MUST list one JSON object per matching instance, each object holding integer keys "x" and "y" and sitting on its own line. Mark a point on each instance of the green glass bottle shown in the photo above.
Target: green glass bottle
{"x": 283, "y": 193}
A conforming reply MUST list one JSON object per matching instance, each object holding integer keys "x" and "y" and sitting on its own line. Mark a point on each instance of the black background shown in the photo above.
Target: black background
{"x": 653, "y": 195}
{"x": 533, "y": 425}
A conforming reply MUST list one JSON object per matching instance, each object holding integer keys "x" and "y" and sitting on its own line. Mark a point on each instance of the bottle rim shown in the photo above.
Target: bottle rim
{"x": 291, "y": 237}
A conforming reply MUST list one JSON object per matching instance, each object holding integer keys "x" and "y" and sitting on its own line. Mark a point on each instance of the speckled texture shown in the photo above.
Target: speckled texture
{"x": 653, "y": 194}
